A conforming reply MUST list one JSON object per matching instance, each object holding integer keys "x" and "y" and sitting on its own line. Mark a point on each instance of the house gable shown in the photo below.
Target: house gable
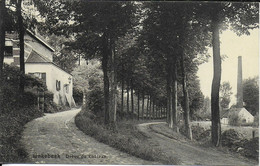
{"x": 244, "y": 114}
{"x": 40, "y": 40}
{"x": 34, "y": 57}
{"x": 32, "y": 43}
{"x": 39, "y": 62}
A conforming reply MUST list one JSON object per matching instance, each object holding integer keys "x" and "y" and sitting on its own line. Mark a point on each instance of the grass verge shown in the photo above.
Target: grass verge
{"x": 125, "y": 138}
{"x": 11, "y": 128}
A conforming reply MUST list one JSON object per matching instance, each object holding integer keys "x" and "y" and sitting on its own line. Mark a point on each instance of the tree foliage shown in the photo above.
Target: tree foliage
{"x": 251, "y": 95}
{"x": 225, "y": 93}
{"x": 150, "y": 48}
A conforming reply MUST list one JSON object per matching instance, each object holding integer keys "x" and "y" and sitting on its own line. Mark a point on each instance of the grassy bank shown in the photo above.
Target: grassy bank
{"x": 232, "y": 141}
{"x": 17, "y": 109}
{"x": 125, "y": 138}
{"x": 11, "y": 128}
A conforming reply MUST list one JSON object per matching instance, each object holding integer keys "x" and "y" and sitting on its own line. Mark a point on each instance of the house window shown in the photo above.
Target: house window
{"x": 41, "y": 76}
{"x": 8, "y": 51}
{"x": 57, "y": 85}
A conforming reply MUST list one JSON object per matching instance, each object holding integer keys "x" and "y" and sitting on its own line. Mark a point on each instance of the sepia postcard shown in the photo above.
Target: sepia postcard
{"x": 129, "y": 82}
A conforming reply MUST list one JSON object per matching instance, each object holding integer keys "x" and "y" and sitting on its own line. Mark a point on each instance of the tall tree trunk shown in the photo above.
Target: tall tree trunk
{"x": 2, "y": 46}
{"x": 160, "y": 111}
{"x": 153, "y": 109}
{"x": 138, "y": 105}
{"x": 86, "y": 99}
{"x": 143, "y": 105}
{"x": 168, "y": 104}
{"x": 150, "y": 107}
{"x": 2, "y": 36}
{"x": 169, "y": 89}
{"x": 21, "y": 44}
{"x": 188, "y": 132}
{"x": 174, "y": 98}
{"x": 105, "y": 78}
{"x": 215, "y": 116}
{"x": 127, "y": 96}
{"x": 156, "y": 109}
{"x": 147, "y": 107}
{"x": 113, "y": 96}
{"x": 122, "y": 94}
{"x": 132, "y": 98}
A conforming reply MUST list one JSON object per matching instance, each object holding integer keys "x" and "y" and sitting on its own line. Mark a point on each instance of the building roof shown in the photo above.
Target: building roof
{"x": 40, "y": 40}
{"x": 233, "y": 111}
{"x": 224, "y": 113}
{"x": 36, "y": 57}
{"x": 238, "y": 110}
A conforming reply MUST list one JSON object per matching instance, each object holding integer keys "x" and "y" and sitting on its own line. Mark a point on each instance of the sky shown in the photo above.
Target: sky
{"x": 232, "y": 46}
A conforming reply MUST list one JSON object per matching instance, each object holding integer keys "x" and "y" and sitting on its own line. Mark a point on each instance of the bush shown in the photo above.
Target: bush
{"x": 96, "y": 99}
{"x": 48, "y": 102}
{"x": 256, "y": 120}
{"x": 230, "y": 137}
{"x": 77, "y": 95}
{"x": 198, "y": 132}
{"x": 251, "y": 148}
{"x": 16, "y": 110}
{"x": 125, "y": 138}
{"x": 233, "y": 120}
{"x": 235, "y": 142}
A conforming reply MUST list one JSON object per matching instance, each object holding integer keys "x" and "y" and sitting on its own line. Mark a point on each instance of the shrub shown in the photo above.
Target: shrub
{"x": 77, "y": 95}
{"x": 235, "y": 142}
{"x": 256, "y": 120}
{"x": 198, "y": 132}
{"x": 96, "y": 99}
{"x": 251, "y": 148}
{"x": 16, "y": 110}
{"x": 31, "y": 81}
{"x": 233, "y": 120}
{"x": 125, "y": 138}
{"x": 229, "y": 137}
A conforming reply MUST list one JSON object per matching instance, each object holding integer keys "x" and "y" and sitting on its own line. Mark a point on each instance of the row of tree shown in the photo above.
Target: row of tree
{"x": 150, "y": 47}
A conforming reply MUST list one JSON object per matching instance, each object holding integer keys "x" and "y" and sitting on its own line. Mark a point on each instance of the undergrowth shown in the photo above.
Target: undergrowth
{"x": 126, "y": 138}
{"x": 16, "y": 109}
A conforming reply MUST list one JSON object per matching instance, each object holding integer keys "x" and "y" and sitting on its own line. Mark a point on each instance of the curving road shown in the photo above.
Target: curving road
{"x": 55, "y": 138}
{"x": 189, "y": 154}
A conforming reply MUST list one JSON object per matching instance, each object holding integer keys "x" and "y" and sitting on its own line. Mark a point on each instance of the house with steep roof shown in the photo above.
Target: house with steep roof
{"x": 39, "y": 63}
{"x": 243, "y": 116}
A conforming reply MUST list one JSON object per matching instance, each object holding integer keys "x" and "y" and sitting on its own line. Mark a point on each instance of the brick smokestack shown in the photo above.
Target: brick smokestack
{"x": 239, "y": 84}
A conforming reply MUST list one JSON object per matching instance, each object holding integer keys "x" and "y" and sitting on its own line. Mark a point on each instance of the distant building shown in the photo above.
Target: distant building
{"x": 39, "y": 63}
{"x": 224, "y": 115}
{"x": 241, "y": 113}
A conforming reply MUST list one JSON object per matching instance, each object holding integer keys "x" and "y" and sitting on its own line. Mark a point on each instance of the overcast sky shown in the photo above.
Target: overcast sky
{"x": 232, "y": 46}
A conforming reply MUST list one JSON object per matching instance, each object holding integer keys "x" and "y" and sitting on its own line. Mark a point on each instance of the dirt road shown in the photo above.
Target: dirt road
{"x": 54, "y": 138}
{"x": 192, "y": 155}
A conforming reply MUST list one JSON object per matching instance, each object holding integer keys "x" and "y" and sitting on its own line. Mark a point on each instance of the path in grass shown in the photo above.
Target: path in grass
{"x": 55, "y": 138}
{"x": 188, "y": 153}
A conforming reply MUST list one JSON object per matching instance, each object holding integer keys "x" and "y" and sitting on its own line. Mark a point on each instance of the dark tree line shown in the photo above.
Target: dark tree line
{"x": 151, "y": 50}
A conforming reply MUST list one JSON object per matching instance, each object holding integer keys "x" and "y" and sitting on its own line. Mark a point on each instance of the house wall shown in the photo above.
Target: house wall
{"x": 246, "y": 116}
{"x": 224, "y": 121}
{"x": 38, "y": 47}
{"x": 65, "y": 80}
{"x": 53, "y": 74}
